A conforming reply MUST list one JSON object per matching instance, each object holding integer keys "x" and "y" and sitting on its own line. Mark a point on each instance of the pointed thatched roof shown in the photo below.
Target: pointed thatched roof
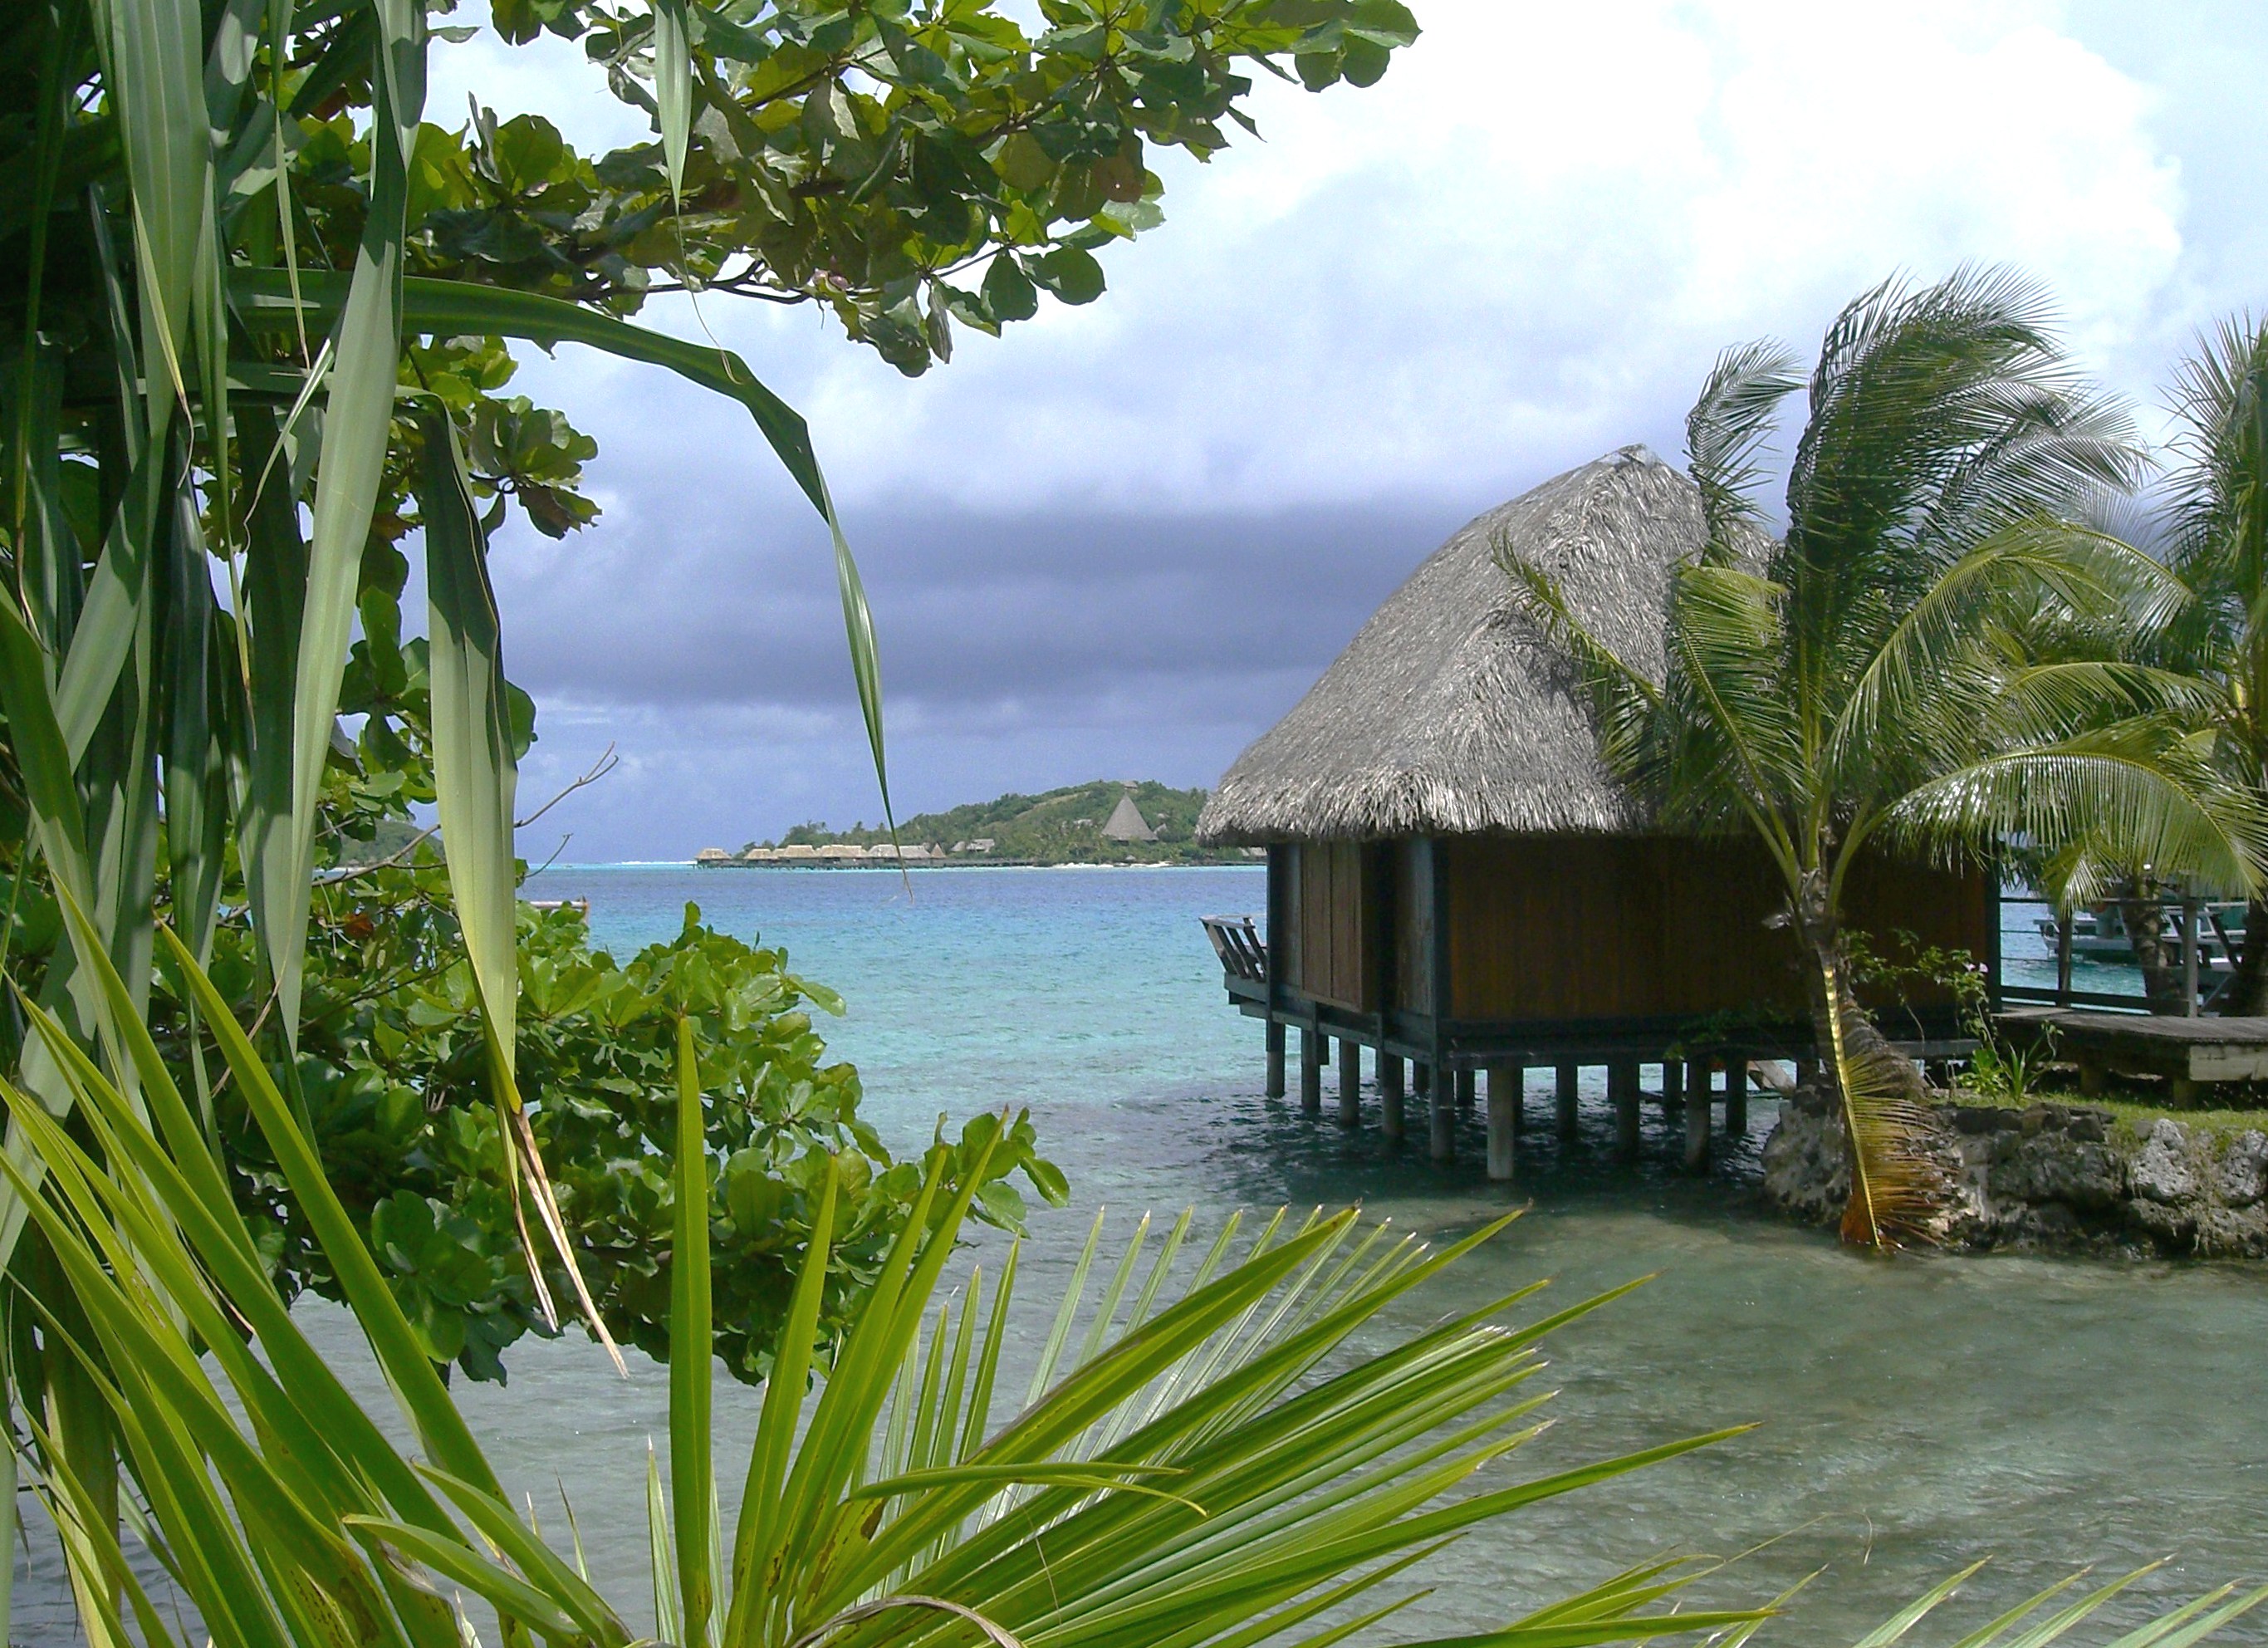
{"x": 1449, "y": 712}
{"x": 1126, "y": 821}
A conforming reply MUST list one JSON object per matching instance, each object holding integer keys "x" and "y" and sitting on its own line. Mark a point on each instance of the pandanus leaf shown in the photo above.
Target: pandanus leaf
{"x": 691, "y": 1356}
{"x": 357, "y": 428}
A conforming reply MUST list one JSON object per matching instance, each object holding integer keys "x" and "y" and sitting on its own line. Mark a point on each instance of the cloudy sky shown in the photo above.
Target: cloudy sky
{"x": 1122, "y": 540}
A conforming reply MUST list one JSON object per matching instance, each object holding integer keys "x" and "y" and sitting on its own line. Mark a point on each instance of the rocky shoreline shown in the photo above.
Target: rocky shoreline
{"x": 2051, "y": 1178}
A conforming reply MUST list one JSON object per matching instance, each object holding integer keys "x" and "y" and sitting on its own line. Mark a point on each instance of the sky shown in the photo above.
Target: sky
{"x": 1123, "y": 539}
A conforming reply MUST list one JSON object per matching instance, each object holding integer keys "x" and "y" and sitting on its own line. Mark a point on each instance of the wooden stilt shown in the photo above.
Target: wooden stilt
{"x": 1390, "y": 1094}
{"x": 1311, "y": 1071}
{"x": 1441, "y": 1108}
{"x": 1350, "y": 1082}
{"x": 1275, "y": 1058}
{"x": 1672, "y": 1086}
{"x": 1519, "y": 1102}
{"x": 1505, "y": 1084}
{"x": 1569, "y": 1077}
{"x": 1623, "y": 1088}
{"x": 1696, "y": 1132}
{"x": 1737, "y": 1099}
{"x": 1806, "y": 1072}
{"x": 1468, "y": 1088}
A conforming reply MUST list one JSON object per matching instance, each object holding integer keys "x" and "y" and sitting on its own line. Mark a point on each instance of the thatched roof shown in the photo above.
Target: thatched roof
{"x": 1449, "y": 712}
{"x": 1126, "y": 821}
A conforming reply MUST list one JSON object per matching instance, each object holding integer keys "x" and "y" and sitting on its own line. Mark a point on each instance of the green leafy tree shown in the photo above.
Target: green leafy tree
{"x": 1895, "y": 670}
{"x": 256, "y": 311}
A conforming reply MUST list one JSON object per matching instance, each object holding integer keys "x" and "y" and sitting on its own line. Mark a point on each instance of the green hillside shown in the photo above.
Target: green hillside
{"x": 1059, "y": 825}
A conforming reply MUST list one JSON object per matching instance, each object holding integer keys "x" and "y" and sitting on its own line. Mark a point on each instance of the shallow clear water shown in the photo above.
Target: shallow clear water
{"x": 1914, "y": 1415}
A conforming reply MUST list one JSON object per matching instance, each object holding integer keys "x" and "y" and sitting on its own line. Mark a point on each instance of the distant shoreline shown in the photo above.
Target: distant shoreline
{"x": 937, "y": 864}
{"x": 1255, "y": 865}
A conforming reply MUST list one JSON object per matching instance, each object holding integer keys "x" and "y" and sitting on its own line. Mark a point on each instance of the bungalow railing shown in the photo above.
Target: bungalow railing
{"x": 2208, "y": 951}
{"x": 1236, "y": 940}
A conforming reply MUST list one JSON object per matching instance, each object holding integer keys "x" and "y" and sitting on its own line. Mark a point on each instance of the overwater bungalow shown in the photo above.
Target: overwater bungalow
{"x": 1455, "y": 879}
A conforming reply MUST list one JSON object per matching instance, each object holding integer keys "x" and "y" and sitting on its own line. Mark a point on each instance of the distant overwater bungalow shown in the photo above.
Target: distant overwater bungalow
{"x": 1456, "y": 882}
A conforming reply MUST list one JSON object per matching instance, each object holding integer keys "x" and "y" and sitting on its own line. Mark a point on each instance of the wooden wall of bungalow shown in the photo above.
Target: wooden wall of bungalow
{"x": 1571, "y": 935}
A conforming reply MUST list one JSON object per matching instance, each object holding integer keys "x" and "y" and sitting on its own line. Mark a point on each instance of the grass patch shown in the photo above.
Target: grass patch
{"x": 2136, "y": 1102}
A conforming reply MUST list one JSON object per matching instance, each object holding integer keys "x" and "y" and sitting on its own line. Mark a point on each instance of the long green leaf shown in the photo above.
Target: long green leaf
{"x": 357, "y": 428}
{"x": 691, "y": 1354}
{"x": 424, "y": 1400}
{"x": 475, "y": 775}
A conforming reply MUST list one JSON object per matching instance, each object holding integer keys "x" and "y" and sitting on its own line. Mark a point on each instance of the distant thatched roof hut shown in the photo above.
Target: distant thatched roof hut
{"x": 1456, "y": 876}
{"x": 1126, "y": 821}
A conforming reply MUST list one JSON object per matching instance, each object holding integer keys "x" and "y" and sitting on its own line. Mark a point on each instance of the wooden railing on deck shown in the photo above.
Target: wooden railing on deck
{"x": 1237, "y": 942}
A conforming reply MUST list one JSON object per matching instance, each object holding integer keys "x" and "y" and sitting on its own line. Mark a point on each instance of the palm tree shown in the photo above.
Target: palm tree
{"x": 1877, "y": 677}
{"x": 2219, "y": 546}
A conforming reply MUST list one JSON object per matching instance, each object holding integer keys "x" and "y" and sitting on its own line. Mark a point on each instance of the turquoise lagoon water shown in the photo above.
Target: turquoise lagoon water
{"x": 1914, "y": 1415}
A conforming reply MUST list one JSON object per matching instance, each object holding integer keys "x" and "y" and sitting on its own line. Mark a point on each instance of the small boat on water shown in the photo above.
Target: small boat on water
{"x": 2099, "y": 935}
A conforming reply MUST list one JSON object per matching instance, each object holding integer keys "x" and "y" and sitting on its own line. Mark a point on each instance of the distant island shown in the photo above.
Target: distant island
{"x": 1109, "y": 821}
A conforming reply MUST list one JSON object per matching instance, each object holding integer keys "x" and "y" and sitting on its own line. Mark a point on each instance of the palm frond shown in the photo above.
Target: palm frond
{"x": 1624, "y": 703}
{"x": 1897, "y": 1185}
{"x": 1292, "y": 1464}
{"x": 2142, "y": 794}
{"x": 1726, "y": 432}
{"x": 1735, "y": 748}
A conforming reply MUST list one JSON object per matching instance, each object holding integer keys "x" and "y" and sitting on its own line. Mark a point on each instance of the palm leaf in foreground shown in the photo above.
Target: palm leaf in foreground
{"x": 1222, "y": 1463}
{"x": 1217, "y": 1463}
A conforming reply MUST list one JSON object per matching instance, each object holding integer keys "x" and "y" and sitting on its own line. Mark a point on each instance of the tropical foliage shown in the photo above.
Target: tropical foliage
{"x": 2218, "y": 545}
{"x": 1225, "y": 1451}
{"x": 1917, "y": 661}
{"x": 256, "y": 312}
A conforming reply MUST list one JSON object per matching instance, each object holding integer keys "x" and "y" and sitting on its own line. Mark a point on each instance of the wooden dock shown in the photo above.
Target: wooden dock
{"x": 2188, "y": 1053}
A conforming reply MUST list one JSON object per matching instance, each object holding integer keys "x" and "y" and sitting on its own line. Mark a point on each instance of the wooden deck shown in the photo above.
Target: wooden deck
{"x": 2188, "y": 1053}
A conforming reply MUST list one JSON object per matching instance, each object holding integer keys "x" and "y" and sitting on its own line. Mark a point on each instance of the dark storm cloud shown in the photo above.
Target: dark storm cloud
{"x": 983, "y": 620}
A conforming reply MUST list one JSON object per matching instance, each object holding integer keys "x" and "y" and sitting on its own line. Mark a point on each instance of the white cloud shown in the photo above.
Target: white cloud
{"x": 1524, "y": 245}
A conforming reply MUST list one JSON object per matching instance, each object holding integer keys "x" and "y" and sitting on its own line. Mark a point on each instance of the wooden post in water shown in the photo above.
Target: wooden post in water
{"x": 1275, "y": 1058}
{"x": 1569, "y": 1077}
{"x": 1672, "y": 1087}
{"x": 1468, "y": 1088}
{"x": 2189, "y": 958}
{"x": 1350, "y": 1082}
{"x": 1505, "y": 1083}
{"x": 1622, "y": 1088}
{"x": 1441, "y": 1110}
{"x": 1311, "y": 1070}
{"x": 1696, "y": 1128}
{"x": 1806, "y": 1072}
{"x": 1736, "y": 1096}
{"x": 2063, "y": 959}
{"x": 1390, "y": 1094}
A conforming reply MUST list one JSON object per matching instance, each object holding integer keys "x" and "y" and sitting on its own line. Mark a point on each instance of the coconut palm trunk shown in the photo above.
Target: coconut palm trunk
{"x": 2248, "y": 992}
{"x": 2144, "y": 918}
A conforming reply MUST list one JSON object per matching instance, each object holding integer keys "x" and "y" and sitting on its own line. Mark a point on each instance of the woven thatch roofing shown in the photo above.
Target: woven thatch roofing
{"x": 1449, "y": 712}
